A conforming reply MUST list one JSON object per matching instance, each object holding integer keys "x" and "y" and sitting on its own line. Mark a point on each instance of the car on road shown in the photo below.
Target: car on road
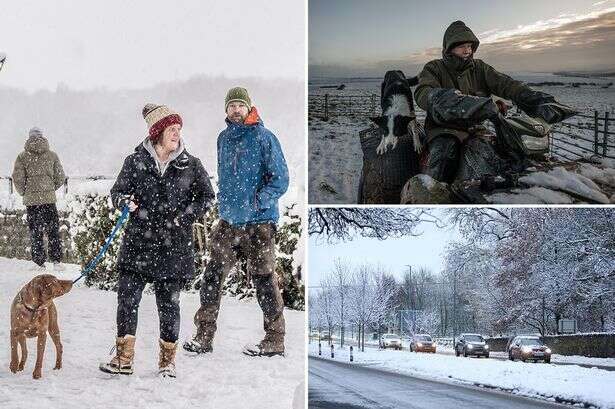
{"x": 471, "y": 344}
{"x": 390, "y": 341}
{"x": 422, "y": 343}
{"x": 529, "y": 348}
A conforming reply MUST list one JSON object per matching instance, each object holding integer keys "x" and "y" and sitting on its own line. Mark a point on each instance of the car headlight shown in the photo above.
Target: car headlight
{"x": 470, "y": 346}
{"x": 418, "y": 344}
{"x": 548, "y": 350}
{"x": 486, "y": 346}
{"x": 526, "y": 350}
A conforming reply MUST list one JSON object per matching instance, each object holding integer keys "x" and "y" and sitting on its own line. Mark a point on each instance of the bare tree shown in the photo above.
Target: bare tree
{"x": 343, "y": 224}
{"x": 340, "y": 282}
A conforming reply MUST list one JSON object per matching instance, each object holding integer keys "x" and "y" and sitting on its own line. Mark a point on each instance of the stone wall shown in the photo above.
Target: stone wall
{"x": 15, "y": 236}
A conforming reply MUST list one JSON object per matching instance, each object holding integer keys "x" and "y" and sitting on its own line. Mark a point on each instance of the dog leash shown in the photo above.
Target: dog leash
{"x": 105, "y": 246}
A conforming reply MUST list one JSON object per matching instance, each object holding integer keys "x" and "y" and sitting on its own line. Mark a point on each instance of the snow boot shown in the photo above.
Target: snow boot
{"x": 122, "y": 362}
{"x": 166, "y": 361}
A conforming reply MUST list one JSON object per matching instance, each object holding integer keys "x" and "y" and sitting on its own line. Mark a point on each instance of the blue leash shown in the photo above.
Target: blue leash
{"x": 104, "y": 248}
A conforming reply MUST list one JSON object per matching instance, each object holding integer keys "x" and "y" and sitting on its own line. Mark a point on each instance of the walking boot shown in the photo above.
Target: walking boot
{"x": 166, "y": 361}
{"x": 204, "y": 319}
{"x": 122, "y": 362}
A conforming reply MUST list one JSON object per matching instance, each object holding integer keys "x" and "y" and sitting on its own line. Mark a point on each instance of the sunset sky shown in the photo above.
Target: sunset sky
{"x": 348, "y": 38}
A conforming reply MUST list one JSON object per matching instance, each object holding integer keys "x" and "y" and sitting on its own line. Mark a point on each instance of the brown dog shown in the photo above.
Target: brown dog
{"x": 33, "y": 313}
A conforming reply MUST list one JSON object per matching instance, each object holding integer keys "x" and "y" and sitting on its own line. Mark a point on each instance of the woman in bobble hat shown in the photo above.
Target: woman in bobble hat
{"x": 166, "y": 189}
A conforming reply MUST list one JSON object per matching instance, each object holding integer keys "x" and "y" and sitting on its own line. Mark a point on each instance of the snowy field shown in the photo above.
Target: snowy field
{"x": 334, "y": 151}
{"x": 225, "y": 379}
{"x": 589, "y": 386}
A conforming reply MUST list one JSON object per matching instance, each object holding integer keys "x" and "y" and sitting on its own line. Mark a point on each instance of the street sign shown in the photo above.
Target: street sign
{"x": 567, "y": 326}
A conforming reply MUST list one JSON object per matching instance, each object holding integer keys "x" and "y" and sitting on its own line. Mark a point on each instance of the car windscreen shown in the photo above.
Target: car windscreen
{"x": 474, "y": 338}
{"x": 424, "y": 338}
{"x": 530, "y": 341}
{"x": 388, "y": 336}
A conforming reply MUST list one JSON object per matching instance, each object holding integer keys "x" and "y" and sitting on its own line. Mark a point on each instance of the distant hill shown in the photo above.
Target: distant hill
{"x": 585, "y": 74}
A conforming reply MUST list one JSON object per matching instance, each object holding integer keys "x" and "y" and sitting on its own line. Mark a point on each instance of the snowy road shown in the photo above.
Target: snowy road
{"x": 225, "y": 379}
{"x": 584, "y": 362}
{"x": 343, "y": 386}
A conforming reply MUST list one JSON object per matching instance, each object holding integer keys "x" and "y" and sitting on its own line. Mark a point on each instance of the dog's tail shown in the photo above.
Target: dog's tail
{"x": 413, "y": 81}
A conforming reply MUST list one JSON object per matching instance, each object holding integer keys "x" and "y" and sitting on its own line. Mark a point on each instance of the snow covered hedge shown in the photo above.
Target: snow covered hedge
{"x": 92, "y": 217}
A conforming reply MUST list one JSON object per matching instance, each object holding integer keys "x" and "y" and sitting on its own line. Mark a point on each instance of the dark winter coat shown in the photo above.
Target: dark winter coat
{"x": 157, "y": 241}
{"x": 38, "y": 173}
{"x": 252, "y": 172}
{"x": 470, "y": 76}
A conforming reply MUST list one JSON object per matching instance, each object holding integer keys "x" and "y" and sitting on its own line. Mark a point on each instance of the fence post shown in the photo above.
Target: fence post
{"x": 350, "y": 353}
{"x": 606, "y": 133}
{"x": 332, "y": 353}
{"x": 326, "y": 107}
{"x": 373, "y": 98}
{"x": 10, "y": 185}
{"x": 596, "y": 132}
{"x": 319, "y": 348}
{"x": 66, "y": 186}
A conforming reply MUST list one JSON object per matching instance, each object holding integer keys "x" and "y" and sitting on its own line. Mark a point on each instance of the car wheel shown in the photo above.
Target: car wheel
{"x": 486, "y": 355}
{"x": 523, "y": 359}
{"x": 547, "y": 360}
{"x": 456, "y": 352}
{"x": 512, "y": 358}
{"x": 465, "y": 353}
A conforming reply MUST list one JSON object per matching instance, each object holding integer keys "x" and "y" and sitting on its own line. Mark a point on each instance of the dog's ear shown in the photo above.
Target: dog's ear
{"x": 46, "y": 287}
{"x": 381, "y": 121}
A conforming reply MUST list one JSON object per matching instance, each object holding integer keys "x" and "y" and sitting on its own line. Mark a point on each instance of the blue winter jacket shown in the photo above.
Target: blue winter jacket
{"x": 252, "y": 172}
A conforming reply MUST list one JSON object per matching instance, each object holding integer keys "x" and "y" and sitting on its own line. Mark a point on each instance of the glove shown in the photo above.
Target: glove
{"x": 449, "y": 107}
{"x": 127, "y": 200}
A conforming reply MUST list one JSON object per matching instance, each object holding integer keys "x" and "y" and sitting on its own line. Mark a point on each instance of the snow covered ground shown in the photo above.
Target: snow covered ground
{"x": 562, "y": 383}
{"x": 334, "y": 152}
{"x": 225, "y": 379}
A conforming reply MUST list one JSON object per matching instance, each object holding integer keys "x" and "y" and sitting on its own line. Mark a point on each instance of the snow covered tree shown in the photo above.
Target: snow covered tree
{"x": 92, "y": 218}
{"x": 342, "y": 224}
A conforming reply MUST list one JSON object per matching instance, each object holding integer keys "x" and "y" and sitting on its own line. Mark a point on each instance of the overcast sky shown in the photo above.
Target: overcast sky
{"x": 361, "y": 37}
{"x": 134, "y": 44}
{"x": 396, "y": 254}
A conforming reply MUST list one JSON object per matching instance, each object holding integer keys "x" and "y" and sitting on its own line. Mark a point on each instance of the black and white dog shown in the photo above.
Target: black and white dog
{"x": 398, "y": 116}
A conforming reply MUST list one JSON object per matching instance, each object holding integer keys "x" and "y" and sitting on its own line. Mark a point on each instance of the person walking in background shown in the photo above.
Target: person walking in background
{"x": 166, "y": 189}
{"x": 252, "y": 176}
{"x": 37, "y": 174}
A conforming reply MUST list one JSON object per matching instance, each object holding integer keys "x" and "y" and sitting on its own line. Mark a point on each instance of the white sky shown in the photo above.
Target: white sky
{"x": 425, "y": 250}
{"x": 133, "y": 44}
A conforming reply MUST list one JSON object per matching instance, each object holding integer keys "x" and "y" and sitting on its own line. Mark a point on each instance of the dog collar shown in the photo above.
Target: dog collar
{"x": 21, "y": 300}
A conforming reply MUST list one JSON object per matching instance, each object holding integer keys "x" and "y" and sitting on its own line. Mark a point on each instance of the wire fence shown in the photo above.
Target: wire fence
{"x": 68, "y": 182}
{"x": 583, "y": 135}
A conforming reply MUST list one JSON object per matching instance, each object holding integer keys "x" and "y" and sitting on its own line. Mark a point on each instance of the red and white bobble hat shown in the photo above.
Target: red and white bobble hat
{"x": 158, "y": 118}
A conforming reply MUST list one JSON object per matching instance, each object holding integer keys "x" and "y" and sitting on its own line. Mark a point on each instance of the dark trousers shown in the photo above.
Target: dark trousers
{"x": 443, "y": 158}
{"x": 229, "y": 244}
{"x": 130, "y": 289}
{"x": 44, "y": 219}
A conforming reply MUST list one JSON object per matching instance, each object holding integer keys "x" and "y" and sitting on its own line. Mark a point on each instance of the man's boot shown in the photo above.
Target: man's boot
{"x": 270, "y": 300}
{"x": 122, "y": 362}
{"x": 166, "y": 361}
{"x": 205, "y": 321}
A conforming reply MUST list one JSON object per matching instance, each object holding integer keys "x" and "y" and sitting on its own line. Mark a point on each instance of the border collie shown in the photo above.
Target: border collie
{"x": 398, "y": 117}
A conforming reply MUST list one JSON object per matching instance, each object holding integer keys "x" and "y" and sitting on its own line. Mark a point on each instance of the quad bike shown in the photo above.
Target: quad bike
{"x": 493, "y": 156}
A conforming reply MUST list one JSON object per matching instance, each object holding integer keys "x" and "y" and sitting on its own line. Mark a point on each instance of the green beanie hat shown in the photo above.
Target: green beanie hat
{"x": 237, "y": 94}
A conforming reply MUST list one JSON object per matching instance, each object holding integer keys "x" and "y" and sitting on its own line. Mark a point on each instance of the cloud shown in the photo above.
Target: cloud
{"x": 566, "y": 42}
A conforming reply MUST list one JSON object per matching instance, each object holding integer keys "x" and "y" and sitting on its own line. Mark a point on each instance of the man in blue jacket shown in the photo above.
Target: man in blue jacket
{"x": 252, "y": 175}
